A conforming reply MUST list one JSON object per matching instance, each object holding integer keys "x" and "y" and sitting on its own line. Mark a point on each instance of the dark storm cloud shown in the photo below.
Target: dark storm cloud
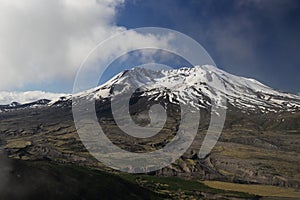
{"x": 257, "y": 38}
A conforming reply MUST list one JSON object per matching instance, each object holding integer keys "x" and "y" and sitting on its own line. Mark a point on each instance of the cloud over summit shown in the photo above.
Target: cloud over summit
{"x": 42, "y": 40}
{"x": 47, "y": 40}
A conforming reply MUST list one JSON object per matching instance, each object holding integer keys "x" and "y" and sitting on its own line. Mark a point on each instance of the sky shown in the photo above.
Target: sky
{"x": 252, "y": 38}
{"x": 42, "y": 43}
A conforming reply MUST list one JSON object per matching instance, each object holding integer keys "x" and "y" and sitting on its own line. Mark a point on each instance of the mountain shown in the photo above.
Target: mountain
{"x": 259, "y": 143}
{"x": 15, "y": 100}
{"x": 196, "y": 86}
{"x": 15, "y": 105}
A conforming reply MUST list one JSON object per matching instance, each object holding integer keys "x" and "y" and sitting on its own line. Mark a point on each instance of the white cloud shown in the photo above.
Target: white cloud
{"x": 43, "y": 40}
{"x": 26, "y": 97}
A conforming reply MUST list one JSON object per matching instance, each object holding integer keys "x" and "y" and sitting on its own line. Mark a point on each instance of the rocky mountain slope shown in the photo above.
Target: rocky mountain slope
{"x": 259, "y": 142}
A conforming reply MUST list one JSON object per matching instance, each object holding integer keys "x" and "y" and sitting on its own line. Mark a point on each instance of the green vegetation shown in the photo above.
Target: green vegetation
{"x": 47, "y": 180}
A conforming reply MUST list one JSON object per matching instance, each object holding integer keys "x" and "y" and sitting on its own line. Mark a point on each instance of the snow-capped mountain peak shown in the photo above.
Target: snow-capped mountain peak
{"x": 197, "y": 86}
{"x": 193, "y": 85}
